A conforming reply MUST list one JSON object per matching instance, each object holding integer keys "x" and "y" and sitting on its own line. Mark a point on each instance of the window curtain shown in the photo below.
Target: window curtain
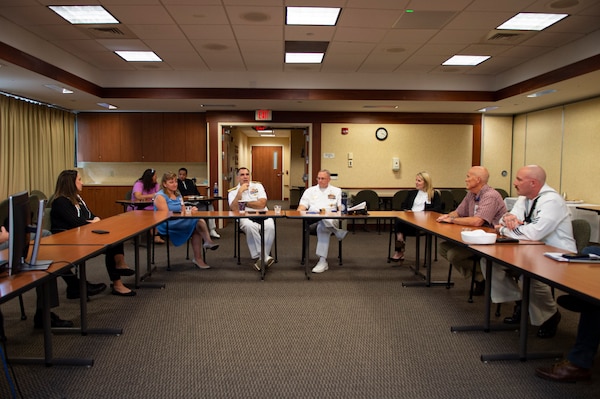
{"x": 36, "y": 143}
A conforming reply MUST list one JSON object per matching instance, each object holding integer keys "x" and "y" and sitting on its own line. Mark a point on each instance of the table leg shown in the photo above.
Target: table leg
{"x": 48, "y": 358}
{"x": 427, "y": 277}
{"x": 139, "y": 280}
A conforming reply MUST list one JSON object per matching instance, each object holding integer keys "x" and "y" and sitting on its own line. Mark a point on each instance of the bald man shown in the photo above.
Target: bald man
{"x": 482, "y": 206}
{"x": 540, "y": 214}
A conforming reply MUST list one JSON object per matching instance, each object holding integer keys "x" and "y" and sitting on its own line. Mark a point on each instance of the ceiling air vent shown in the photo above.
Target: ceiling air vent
{"x": 107, "y": 32}
{"x": 508, "y": 36}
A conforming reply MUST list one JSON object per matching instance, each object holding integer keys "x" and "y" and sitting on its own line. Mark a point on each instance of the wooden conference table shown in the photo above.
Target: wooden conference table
{"x": 526, "y": 257}
{"x": 63, "y": 258}
{"x": 255, "y": 216}
{"x": 309, "y": 218}
{"x": 189, "y": 199}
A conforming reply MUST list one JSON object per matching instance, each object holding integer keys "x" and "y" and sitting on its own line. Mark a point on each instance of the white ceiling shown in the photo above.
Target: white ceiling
{"x": 239, "y": 44}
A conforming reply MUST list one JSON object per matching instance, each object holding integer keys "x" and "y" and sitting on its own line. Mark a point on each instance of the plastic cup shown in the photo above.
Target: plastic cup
{"x": 242, "y": 207}
{"x": 188, "y": 210}
{"x": 277, "y": 209}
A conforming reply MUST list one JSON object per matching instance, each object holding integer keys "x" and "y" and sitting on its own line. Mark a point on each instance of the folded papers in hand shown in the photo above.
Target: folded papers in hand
{"x": 591, "y": 258}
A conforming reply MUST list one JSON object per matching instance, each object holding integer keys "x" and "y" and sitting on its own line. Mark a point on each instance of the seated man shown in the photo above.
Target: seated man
{"x": 323, "y": 196}
{"x": 540, "y": 214}
{"x": 578, "y": 364}
{"x": 188, "y": 187}
{"x": 482, "y": 206}
{"x": 254, "y": 195}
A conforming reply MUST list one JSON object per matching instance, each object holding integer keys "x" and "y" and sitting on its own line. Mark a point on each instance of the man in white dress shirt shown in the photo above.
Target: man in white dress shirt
{"x": 254, "y": 195}
{"x": 318, "y": 197}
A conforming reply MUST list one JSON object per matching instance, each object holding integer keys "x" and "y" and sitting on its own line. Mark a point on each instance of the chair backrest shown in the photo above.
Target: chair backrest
{"x": 398, "y": 199}
{"x": 502, "y": 192}
{"x": 581, "y": 232}
{"x": 370, "y": 197}
{"x": 47, "y": 220}
{"x": 34, "y": 204}
{"x": 38, "y": 194}
{"x": 458, "y": 194}
{"x": 128, "y": 195}
{"x": 447, "y": 201}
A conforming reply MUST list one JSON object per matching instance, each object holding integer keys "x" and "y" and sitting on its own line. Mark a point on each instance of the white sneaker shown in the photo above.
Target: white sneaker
{"x": 257, "y": 264}
{"x": 270, "y": 261}
{"x": 320, "y": 267}
{"x": 214, "y": 234}
{"x": 341, "y": 234}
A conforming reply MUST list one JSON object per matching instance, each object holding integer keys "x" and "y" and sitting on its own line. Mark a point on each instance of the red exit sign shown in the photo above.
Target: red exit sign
{"x": 263, "y": 115}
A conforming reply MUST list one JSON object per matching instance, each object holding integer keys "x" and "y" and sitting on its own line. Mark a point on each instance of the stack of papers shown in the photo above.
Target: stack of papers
{"x": 558, "y": 256}
{"x": 361, "y": 206}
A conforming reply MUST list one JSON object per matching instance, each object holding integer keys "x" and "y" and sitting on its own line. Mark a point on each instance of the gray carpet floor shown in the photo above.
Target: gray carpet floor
{"x": 351, "y": 332}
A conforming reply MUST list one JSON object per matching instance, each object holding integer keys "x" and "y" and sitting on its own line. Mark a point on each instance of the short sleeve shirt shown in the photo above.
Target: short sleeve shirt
{"x": 487, "y": 204}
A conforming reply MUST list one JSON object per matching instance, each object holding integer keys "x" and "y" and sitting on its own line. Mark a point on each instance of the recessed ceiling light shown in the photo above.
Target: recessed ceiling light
{"x": 85, "y": 14}
{"x": 304, "y": 58}
{"x": 107, "y": 105}
{"x": 323, "y": 16}
{"x": 541, "y": 93}
{"x": 62, "y": 90}
{"x": 532, "y": 21}
{"x": 137, "y": 56}
{"x": 466, "y": 60}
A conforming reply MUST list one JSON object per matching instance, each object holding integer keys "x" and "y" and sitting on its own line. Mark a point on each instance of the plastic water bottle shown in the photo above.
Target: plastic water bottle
{"x": 344, "y": 203}
{"x": 216, "y": 190}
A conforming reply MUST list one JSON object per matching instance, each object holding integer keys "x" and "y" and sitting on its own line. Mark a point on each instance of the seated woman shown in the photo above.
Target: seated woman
{"x": 145, "y": 188}
{"x": 424, "y": 198}
{"x": 70, "y": 211}
{"x": 180, "y": 230}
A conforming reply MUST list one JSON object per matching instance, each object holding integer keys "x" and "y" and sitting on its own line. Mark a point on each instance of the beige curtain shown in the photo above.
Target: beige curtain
{"x": 36, "y": 143}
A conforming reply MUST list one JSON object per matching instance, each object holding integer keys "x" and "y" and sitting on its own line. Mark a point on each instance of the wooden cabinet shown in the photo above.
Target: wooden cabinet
{"x": 141, "y": 137}
{"x": 100, "y": 141}
{"x": 101, "y": 199}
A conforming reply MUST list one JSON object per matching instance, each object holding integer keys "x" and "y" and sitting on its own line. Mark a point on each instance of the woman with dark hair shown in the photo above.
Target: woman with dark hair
{"x": 180, "y": 230}
{"x": 145, "y": 188}
{"x": 70, "y": 211}
{"x": 424, "y": 198}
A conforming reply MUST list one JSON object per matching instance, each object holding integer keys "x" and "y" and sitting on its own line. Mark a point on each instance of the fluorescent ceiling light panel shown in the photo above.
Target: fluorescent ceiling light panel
{"x": 532, "y": 21}
{"x": 137, "y": 56}
{"x": 487, "y": 109}
{"x": 85, "y": 14}
{"x": 62, "y": 90}
{"x": 466, "y": 60}
{"x": 304, "y": 58}
{"x": 323, "y": 16}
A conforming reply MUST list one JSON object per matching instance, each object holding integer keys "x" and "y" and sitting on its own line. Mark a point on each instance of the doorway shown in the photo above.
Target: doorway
{"x": 267, "y": 168}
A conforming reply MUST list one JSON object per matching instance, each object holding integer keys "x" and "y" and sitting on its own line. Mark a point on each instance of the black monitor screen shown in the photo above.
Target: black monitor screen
{"x": 19, "y": 220}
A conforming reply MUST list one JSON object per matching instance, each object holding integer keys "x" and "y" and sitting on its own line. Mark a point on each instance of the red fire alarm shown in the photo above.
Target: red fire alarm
{"x": 344, "y": 130}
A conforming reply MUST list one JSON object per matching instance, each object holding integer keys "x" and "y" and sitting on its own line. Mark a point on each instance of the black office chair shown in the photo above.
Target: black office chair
{"x": 237, "y": 240}
{"x": 312, "y": 231}
{"x": 447, "y": 201}
{"x": 502, "y": 192}
{"x": 458, "y": 194}
{"x": 167, "y": 242}
{"x": 373, "y": 204}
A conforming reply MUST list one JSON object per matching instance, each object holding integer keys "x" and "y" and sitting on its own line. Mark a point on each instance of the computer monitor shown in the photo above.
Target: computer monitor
{"x": 20, "y": 229}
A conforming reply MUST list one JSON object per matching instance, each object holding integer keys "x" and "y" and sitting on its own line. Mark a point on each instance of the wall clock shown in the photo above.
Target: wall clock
{"x": 381, "y": 133}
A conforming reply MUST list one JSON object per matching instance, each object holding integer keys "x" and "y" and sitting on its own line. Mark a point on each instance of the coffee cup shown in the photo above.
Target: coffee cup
{"x": 242, "y": 206}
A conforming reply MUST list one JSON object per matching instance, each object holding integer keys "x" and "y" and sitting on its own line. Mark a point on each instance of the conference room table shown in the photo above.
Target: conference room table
{"x": 309, "y": 218}
{"x": 119, "y": 228}
{"x": 526, "y": 257}
{"x": 258, "y": 217}
{"x": 64, "y": 257}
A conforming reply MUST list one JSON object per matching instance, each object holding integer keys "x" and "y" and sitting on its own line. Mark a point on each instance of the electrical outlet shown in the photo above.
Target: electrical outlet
{"x": 349, "y": 163}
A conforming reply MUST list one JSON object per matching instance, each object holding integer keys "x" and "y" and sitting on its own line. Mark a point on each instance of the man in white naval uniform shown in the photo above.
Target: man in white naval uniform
{"x": 318, "y": 197}
{"x": 254, "y": 195}
{"x": 540, "y": 214}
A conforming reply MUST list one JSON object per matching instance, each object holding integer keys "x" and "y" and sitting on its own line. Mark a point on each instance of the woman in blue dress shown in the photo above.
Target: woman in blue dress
{"x": 180, "y": 230}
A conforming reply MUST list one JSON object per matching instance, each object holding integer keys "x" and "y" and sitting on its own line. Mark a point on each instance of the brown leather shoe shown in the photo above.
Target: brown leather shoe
{"x": 564, "y": 371}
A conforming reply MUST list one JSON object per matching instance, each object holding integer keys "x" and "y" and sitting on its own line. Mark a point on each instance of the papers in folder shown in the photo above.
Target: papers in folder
{"x": 359, "y": 207}
{"x": 558, "y": 256}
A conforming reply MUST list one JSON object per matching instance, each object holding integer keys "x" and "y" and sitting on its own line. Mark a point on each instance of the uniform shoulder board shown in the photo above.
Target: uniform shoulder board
{"x": 232, "y": 188}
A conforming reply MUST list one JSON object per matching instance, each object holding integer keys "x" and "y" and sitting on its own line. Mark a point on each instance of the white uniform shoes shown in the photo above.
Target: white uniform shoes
{"x": 320, "y": 267}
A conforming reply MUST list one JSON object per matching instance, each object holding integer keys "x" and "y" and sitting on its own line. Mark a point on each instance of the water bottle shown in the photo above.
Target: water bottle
{"x": 216, "y": 190}
{"x": 344, "y": 203}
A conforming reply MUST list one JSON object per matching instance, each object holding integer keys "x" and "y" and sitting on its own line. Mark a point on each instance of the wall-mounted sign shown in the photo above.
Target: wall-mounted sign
{"x": 263, "y": 115}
